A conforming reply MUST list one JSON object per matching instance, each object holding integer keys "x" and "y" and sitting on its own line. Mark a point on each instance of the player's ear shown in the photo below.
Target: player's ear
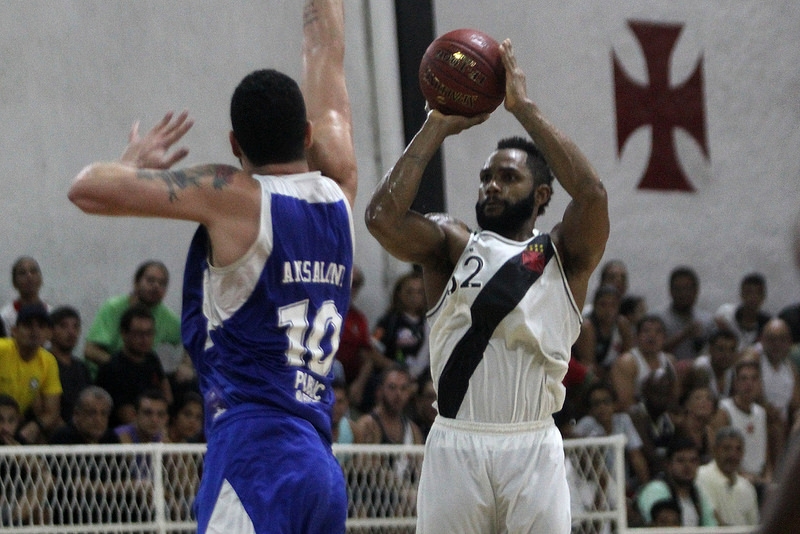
{"x": 235, "y": 148}
{"x": 543, "y": 194}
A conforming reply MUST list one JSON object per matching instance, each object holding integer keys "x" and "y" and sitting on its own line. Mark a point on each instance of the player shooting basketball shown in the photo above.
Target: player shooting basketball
{"x": 507, "y": 311}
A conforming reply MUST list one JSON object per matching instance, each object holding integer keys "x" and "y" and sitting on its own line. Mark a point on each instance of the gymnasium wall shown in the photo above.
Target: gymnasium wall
{"x": 76, "y": 74}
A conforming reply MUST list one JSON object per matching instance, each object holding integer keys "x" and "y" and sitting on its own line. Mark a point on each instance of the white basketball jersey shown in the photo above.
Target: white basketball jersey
{"x": 502, "y": 332}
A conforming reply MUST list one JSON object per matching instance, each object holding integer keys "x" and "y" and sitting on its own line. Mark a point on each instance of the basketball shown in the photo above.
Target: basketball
{"x": 462, "y": 73}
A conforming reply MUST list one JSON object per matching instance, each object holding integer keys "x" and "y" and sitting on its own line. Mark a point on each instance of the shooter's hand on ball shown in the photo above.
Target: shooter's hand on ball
{"x": 516, "y": 88}
{"x": 452, "y": 124}
{"x": 151, "y": 151}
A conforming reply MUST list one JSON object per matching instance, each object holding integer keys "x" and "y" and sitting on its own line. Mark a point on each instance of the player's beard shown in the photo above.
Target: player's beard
{"x": 510, "y": 219}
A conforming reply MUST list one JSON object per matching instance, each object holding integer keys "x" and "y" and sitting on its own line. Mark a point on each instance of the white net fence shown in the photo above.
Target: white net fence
{"x": 150, "y": 488}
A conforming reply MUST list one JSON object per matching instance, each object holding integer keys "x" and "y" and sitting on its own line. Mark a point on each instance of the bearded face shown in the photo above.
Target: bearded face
{"x": 509, "y": 219}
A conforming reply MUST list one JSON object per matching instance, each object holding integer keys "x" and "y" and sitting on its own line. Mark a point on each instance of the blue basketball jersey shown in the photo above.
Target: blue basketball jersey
{"x": 262, "y": 332}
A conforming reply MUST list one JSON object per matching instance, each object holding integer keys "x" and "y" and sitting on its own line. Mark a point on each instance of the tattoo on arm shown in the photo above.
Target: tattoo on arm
{"x": 217, "y": 176}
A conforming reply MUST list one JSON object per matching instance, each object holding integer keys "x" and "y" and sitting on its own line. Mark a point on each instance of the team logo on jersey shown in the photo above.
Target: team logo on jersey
{"x": 533, "y": 258}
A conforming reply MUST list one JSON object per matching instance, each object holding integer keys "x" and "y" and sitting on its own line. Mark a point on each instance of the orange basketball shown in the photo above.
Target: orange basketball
{"x": 462, "y": 73}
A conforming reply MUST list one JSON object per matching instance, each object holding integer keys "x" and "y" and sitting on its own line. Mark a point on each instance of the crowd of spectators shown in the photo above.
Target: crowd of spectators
{"x": 707, "y": 399}
{"x": 704, "y": 397}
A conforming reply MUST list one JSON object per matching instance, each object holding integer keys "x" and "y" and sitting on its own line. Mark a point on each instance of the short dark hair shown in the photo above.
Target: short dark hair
{"x": 664, "y": 505}
{"x": 680, "y": 442}
{"x": 137, "y": 311}
{"x": 684, "y": 271}
{"x": 9, "y": 401}
{"x": 540, "y": 169}
{"x": 651, "y": 318}
{"x": 268, "y": 116}
{"x": 754, "y": 279}
{"x": 146, "y": 265}
{"x": 64, "y": 312}
{"x": 722, "y": 333}
{"x": 151, "y": 394}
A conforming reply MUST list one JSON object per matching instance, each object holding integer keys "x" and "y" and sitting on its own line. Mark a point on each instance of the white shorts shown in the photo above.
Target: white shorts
{"x": 493, "y": 478}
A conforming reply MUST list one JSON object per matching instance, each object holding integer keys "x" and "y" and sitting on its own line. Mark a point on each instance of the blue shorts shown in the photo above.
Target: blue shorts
{"x": 269, "y": 474}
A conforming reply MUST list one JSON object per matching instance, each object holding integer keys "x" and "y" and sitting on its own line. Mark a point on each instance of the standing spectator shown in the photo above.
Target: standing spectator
{"x": 89, "y": 421}
{"x": 614, "y": 273}
{"x": 26, "y": 277}
{"x": 733, "y": 497}
{"x": 679, "y": 484}
{"x": 687, "y": 327}
{"x": 632, "y": 368}
{"x": 745, "y": 319}
{"x": 150, "y": 282}
{"x": 135, "y": 368}
{"x": 779, "y": 376}
{"x": 73, "y": 373}
{"x": 604, "y": 421}
{"x": 741, "y": 411}
{"x": 717, "y": 365}
{"x": 29, "y": 374}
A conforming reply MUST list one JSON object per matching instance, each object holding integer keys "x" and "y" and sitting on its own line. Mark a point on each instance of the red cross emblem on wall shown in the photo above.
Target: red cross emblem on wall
{"x": 663, "y": 107}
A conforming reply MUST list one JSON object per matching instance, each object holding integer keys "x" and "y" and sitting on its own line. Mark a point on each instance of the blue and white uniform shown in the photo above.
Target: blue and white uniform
{"x": 262, "y": 333}
{"x": 500, "y": 343}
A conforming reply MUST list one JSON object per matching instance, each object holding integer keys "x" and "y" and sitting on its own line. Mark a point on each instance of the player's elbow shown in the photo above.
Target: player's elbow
{"x": 81, "y": 192}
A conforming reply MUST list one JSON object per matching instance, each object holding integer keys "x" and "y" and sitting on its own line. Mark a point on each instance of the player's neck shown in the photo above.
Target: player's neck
{"x": 279, "y": 169}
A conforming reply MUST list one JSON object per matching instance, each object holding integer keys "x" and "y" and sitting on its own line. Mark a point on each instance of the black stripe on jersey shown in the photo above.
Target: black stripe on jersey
{"x": 497, "y": 298}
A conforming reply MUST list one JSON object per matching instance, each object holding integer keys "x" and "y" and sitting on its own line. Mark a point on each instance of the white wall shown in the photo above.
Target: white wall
{"x": 77, "y": 73}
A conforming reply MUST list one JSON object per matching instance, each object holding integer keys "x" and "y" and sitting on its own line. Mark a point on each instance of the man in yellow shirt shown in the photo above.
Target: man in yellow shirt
{"x": 29, "y": 373}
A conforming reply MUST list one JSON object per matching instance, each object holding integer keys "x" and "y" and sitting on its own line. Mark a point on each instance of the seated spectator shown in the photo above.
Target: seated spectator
{"x": 24, "y": 480}
{"x": 29, "y": 374}
{"x": 26, "y": 277}
{"x": 150, "y": 422}
{"x": 150, "y": 283}
{"x": 186, "y": 419}
{"x": 605, "y": 334}
{"x": 344, "y": 429}
{"x": 717, "y": 365}
{"x": 698, "y": 407}
{"x": 791, "y": 314}
{"x": 387, "y": 423}
{"x": 423, "y": 411}
{"x": 746, "y": 319}
{"x": 89, "y": 421}
{"x": 357, "y": 350}
{"x": 666, "y": 513}
{"x": 134, "y": 369}
{"x": 632, "y": 368}
{"x": 10, "y": 418}
{"x": 72, "y": 372}
{"x": 732, "y": 496}
{"x": 401, "y": 333}
{"x": 742, "y": 412}
{"x": 633, "y": 308}
{"x": 687, "y": 327}
{"x": 680, "y": 485}
{"x": 603, "y": 421}
{"x": 652, "y": 418}
{"x": 614, "y": 273}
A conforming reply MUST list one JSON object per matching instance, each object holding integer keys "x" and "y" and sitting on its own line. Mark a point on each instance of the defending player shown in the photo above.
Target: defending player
{"x": 267, "y": 281}
{"x": 507, "y": 311}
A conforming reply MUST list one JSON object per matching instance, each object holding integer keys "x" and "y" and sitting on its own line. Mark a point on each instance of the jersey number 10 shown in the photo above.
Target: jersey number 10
{"x": 306, "y": 334}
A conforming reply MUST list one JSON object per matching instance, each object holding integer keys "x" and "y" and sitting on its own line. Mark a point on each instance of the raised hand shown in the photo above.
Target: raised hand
{"x": 516, "y": 86}
{"x": 152, "y": 150}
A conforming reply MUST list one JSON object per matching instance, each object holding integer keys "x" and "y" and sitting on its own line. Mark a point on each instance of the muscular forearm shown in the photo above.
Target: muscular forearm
{"x": 570, "y": 167}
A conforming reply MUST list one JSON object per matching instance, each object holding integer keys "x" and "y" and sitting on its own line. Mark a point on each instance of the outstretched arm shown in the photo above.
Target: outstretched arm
{"x": 406, "y": 234}
{"x": 583, "y": 232}
{"x": 325, "y": 92}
